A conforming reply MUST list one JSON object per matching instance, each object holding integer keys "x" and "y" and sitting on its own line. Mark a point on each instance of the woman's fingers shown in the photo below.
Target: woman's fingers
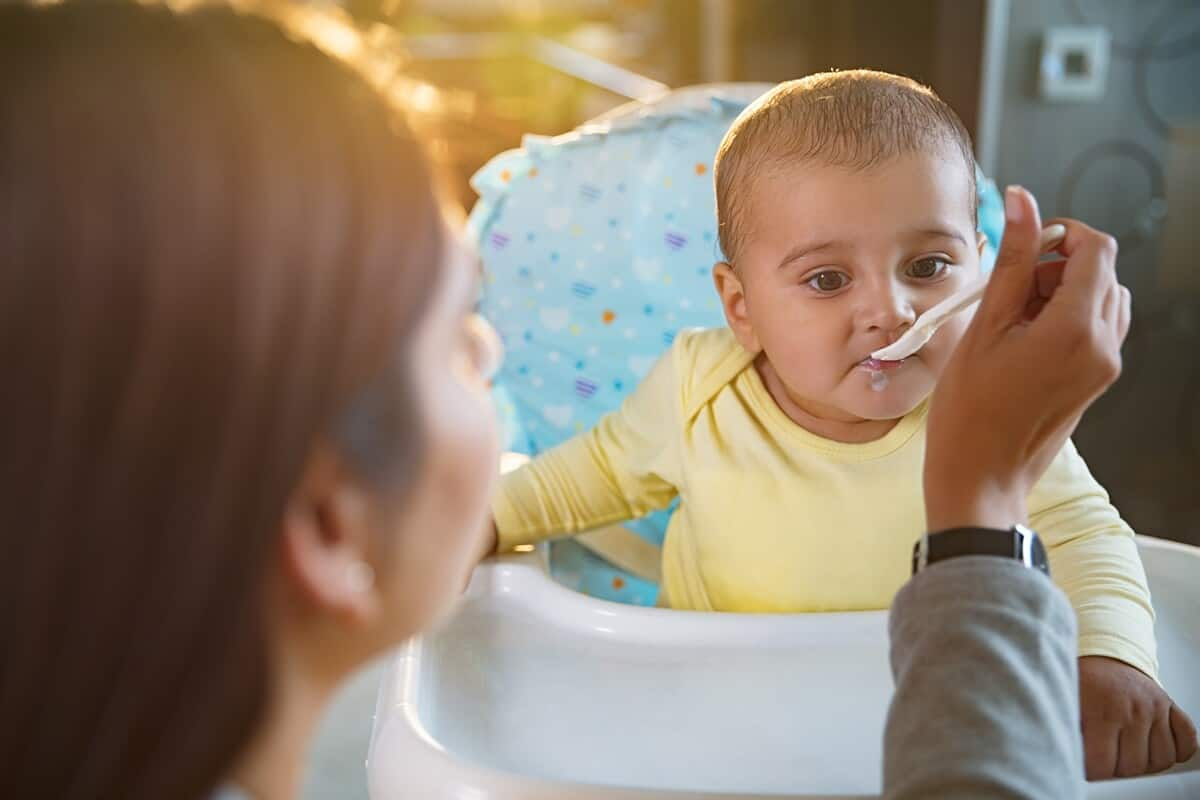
{"x": 1089, "y": 273}
{"x": 1083, "y": 315}
{"x": 1112, "y": 304}
{"x": 1125, "y": 314}
{"x": 1012, "y": 283}
{"x": 1076, "y": 234}
{"x": 1049, "y": 276}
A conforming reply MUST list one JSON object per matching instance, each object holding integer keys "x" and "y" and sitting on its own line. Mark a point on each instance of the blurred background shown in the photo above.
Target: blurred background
{"x": 1093, "y": 105}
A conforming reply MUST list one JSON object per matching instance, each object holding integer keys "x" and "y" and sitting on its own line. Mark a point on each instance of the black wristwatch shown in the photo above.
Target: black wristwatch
{"x": 1018, "y": 543}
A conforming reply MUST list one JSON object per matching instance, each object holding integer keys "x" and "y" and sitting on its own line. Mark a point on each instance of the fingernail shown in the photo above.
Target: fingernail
{"x": 1012, "y": 204}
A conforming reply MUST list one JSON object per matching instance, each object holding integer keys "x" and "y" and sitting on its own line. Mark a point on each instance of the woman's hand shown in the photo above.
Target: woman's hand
{"x": 1045, "y": 342}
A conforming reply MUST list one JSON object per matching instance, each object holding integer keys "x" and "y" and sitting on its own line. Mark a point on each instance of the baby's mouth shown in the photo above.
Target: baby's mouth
{"x": 878, "y": 365}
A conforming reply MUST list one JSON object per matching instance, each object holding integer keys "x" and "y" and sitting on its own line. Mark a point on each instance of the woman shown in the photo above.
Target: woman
{"x": 240, "y": 382}
{"x": 245, "y": 443}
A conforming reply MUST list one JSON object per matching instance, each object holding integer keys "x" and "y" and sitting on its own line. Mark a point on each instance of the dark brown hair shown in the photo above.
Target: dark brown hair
{"x": 854, "y": 118}
{"x": 212, "y": 237}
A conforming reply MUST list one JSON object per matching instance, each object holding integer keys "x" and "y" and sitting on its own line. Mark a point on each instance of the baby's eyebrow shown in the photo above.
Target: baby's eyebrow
{"x": 942, "y": 233}
{"x": 805, "y": 248}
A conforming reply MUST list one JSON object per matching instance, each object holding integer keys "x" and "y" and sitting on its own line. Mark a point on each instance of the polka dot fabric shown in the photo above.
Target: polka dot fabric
{"x": 598, "y": 248}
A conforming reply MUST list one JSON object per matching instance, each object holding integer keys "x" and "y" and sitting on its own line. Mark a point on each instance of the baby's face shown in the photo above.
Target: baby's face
{"x": 837, "y": 263}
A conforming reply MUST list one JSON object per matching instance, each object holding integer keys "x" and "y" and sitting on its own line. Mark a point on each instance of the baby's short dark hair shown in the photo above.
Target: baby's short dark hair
{"x": 854, "y": 118}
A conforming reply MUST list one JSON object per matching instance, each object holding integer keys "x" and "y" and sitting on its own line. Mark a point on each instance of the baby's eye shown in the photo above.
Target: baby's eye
{"x": 828, "y": 281}
{"x": 927, "y": 268}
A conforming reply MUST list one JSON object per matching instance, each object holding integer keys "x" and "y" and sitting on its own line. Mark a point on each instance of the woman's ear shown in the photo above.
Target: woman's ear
{"x": 733, "y": 302}
{"x": 325, "y": 543}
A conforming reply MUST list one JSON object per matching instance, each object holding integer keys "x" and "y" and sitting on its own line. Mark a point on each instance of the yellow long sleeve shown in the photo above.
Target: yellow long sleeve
{"x": 620, "y": 470}
{"x": 1094, "y": 558}
{"x": 773, "y": 518}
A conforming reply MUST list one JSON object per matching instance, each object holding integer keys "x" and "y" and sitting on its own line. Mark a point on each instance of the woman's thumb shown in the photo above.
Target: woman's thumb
{"x": 1011, "y": 286}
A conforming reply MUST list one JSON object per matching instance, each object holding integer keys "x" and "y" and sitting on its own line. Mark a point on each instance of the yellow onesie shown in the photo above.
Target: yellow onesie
{"x": 773, "y": 518}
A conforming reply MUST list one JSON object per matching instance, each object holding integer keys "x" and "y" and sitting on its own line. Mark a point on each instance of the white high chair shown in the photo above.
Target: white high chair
{"x": 536, "y": 691}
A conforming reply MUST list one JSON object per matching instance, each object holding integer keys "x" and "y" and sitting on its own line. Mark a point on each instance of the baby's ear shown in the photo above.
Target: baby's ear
{"x": 733, "y": 302}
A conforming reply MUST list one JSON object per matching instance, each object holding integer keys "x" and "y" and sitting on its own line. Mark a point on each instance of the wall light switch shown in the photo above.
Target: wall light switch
{"x": 1074, "y": 63}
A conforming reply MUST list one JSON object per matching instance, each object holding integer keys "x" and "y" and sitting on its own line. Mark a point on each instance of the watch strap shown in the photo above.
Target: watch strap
{"x": 1018, "y": 543}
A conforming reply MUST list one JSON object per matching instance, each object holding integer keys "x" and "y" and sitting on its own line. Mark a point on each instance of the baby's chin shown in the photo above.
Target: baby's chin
{"x": 887, "y": 396}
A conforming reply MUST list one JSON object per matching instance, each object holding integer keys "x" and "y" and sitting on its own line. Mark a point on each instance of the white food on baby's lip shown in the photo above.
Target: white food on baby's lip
{"x": 879, "y": 381}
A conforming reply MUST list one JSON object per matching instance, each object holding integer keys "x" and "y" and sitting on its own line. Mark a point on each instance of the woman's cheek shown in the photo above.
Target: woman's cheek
{"x": 467, "y": 448}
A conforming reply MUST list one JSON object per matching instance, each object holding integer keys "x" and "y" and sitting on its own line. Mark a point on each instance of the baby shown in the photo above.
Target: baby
{"x": 847, "y": 207}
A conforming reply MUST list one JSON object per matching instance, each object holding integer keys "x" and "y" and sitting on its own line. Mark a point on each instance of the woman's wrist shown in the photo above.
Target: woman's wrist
{"x": 963, "y": 502}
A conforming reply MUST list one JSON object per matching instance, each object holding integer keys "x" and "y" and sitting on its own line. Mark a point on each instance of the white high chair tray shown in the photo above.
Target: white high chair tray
{"x": 535, "y": 691}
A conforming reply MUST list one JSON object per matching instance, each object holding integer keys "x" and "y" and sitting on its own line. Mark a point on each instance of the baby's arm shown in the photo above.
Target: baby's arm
{"x": 623, "y": 468}
{"x": 1094, "y": 558}
{"x": 1130, "y": 725}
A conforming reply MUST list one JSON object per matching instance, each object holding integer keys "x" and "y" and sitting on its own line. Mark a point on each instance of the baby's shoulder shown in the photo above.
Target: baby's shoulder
{"x": 706, "y": 359}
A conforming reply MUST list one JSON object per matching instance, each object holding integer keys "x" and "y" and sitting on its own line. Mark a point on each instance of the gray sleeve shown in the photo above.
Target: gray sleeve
{"x": 987, "y": 687}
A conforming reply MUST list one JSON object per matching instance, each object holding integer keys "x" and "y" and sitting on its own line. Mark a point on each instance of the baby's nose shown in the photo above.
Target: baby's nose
{"x": 888, "y": 309}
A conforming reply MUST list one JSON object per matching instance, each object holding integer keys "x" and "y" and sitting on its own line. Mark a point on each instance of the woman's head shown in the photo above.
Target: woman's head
{"x": 228, "y": 303}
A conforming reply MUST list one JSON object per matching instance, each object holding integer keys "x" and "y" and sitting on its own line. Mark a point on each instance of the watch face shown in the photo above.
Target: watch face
{"x": 1033, "y": 551}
